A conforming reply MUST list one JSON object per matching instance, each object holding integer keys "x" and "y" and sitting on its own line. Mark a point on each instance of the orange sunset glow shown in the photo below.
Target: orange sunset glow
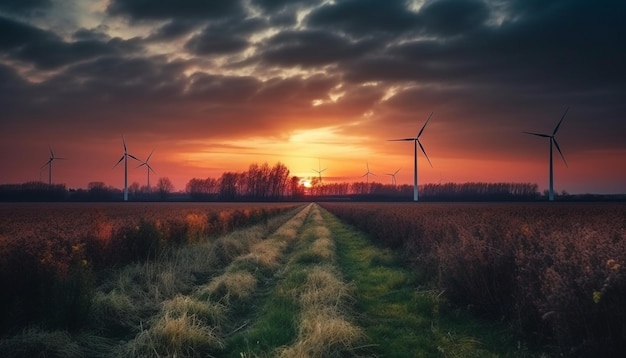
{"x": 216, "y": 87}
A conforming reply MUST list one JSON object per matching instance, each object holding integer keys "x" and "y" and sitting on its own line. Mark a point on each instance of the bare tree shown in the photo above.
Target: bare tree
{"x": 165, "y": 187}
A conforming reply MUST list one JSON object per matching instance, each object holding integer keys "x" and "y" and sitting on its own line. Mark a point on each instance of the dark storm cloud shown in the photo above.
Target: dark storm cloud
{"x": 24, "y": 6}
{"x": 174, "y": 29}
{"x": 46, "y": 50}
{"x": 225, "y": 37}
{"x": 578, "y": 46}
{"x": 453, "y": 17}
{"x": 311, "y": 48}
{"x": 167, "y": 9}
{"x": 364, "y": 17}
{"x": 277, "y": 5}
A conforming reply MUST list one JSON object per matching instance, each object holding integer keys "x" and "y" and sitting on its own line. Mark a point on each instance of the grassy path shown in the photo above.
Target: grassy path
{"x": 401, "y": 319}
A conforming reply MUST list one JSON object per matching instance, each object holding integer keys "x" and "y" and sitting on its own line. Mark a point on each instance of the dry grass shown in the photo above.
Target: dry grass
{"x": 323, "y": 298}
{"x": 238, "y": 285}
{"x": 290, "y": 229}
{"x": 323, "y": 333}
{"x": 34, "y": 342}
{"x": 324, "y": 249}
{"x": 265, "y": 254}
{"x": 324, "y": 289}
{"x": 114, "y": 309}
{"x": 182, "y": 336}
{"x": 210, "y": 312}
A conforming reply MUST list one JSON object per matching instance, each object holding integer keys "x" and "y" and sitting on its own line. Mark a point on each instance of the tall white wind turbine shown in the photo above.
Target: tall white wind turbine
{"x": 416, "y": 141}
{"x": 393, "y": 177}
{"x": 368, "y": 173}
{"x": 552, "y": 141}
{"x": 49, "y": 164}
{"x": 148, "y": 167}
{"x": 320, "y": 170}
{"x": 125, "y": 159}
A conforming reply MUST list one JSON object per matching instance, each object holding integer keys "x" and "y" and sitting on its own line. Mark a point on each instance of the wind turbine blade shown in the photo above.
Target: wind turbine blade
{"x": 150, "y": 168}
{"x": 149, "y": 156}
{"x": 396, "y": 172}
{"x": 558, "y": 125}
{"x": 420, "y": 133}
{"x": 423, "y": 151}
{"x": 559, "y": 149}
{"x": 119, "y": 161}
{"x": 132, "y": 156}
{"x": 401, "y": 140}
{"x": 51, "y": 153}
{"x": 47, "y": 163}
{"x": 538, "y": 134}
{"x": 124, "y": 142}
{"x": 141, "y": 165}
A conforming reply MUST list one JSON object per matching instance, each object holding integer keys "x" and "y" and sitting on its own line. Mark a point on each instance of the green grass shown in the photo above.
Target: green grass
{"x": 401, "y": 316}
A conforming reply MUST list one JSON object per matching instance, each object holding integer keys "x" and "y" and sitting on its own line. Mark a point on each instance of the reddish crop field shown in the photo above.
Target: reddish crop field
{"x": 50, "y": 253}
{"x": 554, "y": 270}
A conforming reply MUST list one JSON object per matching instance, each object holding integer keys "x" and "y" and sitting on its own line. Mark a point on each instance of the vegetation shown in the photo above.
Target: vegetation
{"x": 51, "y": 255}
{"x": 267, "y": 280}
{"x": 555, "y": 272}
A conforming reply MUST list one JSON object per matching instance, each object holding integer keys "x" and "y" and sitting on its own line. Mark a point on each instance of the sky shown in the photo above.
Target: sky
{"x": 214, "y": 86}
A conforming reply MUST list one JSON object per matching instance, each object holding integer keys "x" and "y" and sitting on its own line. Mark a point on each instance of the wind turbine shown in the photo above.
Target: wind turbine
{"x": 49, "y": 164}
{"x": 368, "y": 173}
{"x": 416, "y": 141}
{"x": 552, "y": 141}
{"x": 393, "y": 177}
{"x": 125, "y": 159}
{"x": 320, "y": 170}
{"x": 148, "y": 167}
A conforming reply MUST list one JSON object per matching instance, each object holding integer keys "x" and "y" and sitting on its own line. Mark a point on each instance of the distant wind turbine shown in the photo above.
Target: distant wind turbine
{"x": 49, "y": 164}
{"x": 320, "y": 170}
{"x": 368, "y": 173}
{"x": 393, "y": 177}
{"x": 552, "y": 141}
{"x": 125, "y": 159}
{"x": 148, "y": 167}
{"x": 416, "y": 141}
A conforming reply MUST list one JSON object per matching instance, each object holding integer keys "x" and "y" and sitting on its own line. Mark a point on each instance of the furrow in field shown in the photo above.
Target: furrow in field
{"x": 304, "y": 315}
{"x": 195, "y": 323}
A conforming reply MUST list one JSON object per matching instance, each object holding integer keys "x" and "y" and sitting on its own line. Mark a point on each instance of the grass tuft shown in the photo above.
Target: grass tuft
{"x": 183, "y": 336}
{"x": 231, "y": 286}
{"x": 323, "y": 333}
{"x": 34, "y": 342}
{"x": 213, "y": 313}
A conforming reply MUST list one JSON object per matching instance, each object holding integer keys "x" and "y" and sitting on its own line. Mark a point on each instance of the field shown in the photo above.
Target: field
{"x": 292, "y": 280}
{"x": 51, "y": 253}
{"x": 556, "y": 272}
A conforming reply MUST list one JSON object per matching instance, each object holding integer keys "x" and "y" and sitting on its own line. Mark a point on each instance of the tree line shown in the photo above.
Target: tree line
{"x": 262, "y": 182}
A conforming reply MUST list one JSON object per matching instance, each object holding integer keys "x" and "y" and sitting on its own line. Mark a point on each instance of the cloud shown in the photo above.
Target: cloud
{"x": 24, "y": 7}
{"x": 170, "y": 9}
{"x": 361, "y": 18}
{"x": 311, "y": 48}
{"x": 453, "y": 17}
{"x": 46, "y": 50}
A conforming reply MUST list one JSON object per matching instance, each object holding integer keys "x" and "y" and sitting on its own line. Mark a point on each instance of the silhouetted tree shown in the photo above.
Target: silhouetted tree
{"x": 164, "y": 187}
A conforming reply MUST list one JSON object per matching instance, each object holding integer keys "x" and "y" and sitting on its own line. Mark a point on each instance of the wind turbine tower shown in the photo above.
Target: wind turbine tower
{"x": 393, "y": 177}
{"x": 368, "y": 173}
{"x": 320, "y": 170}
{"x": 416, "y": 141}
{"x": 148, "y": 167}
{"x": 49, "y": 164}
{"x": 125, "y": 159}
{"x": 556, "y": 144}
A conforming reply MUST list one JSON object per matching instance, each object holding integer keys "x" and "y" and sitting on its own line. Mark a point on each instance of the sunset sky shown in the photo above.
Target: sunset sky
{"x": 213, "y": 86}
